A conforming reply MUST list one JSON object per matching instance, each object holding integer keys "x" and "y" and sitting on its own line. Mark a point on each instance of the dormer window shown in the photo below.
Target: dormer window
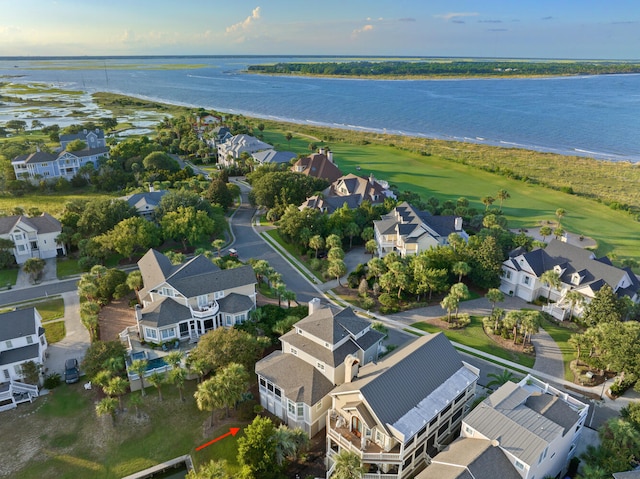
{"x": 575, "y": 278}
{"x": 167, "y": 292}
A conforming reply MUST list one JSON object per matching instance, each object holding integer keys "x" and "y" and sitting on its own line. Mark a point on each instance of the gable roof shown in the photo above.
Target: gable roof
{"x": 333, "y": 326}
{"x": 300, "y": 381}
{"x": 273, "y": 156}
{"x": 417, "y": 400}
{"x": 17, "y": 324}
{"x": 36, "y": 157}
{"x": 145, "y": 201}
{"x": 318, "y": 166}
{"x": 45, "y": 223}
{"x": 523, "y": 423}
{"x": 82, "y": 135}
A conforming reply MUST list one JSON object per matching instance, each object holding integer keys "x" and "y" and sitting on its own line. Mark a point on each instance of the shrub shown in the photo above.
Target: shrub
{"x": 353, "y": 280}
{"x": 367, "y": 303}
{"x": 315, "y": 264}
{"x": 463, "y": 320}
{"x": 52, "y": 380}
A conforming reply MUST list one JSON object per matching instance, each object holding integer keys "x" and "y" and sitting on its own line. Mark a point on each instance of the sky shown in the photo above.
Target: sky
{"x": 580, "y": 29}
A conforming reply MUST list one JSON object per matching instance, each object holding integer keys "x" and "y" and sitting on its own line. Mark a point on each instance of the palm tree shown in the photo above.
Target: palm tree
{"x": 174, "y": 358}
{"x": 575, "y": 299}
{"x": 530, "y": 325}
{"x": 450, "y": 302}
{"x": 135, "y": 400}
{"x": 157, "y": 379}
{"x": 211, "y": 470}
{"x": 34, "y": 267}
{"x": 208, "y": 396}
{"x": 134, "y": 281}
{"x": 107, "y": 406}
{"x": 371, "y": 246}
{"x": 102, "y": 377}
{"x": 551, "y": 279}
{"x": 461, "y": 269}
{"x": 288, "y": 136}
{"x": 351, "y": 230}
{"x": 218, "y": 244}
{"x": 494, "y": 295}
{"x": 560, "y": 213}
{"x": 512, "y": 321}
{"x": 284, "y": 442}
{"x": 316, "y": 242}
{"x": 502, "y": 195}
{"x": 337, "y": 268}
{"x": 234, "y": 382}
{"x": 545, "y": 231}
{"x": 487, "y": 201}
{"x": 139, "y": 367}
{"x": 117, "y": 386}
{"x": 177, "y": 376}
{"x": 114, "y": 364}
{"x": 289, "y": 296}
{"x": 498, "y": 379}
{"x": 347, "y": 465}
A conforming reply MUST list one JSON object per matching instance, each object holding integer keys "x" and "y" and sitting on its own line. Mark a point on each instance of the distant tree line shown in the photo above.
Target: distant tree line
{"x": 448, "y": 68}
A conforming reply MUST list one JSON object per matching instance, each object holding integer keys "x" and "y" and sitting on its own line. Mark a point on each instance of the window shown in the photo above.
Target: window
{"x": 21, "y": 247}
{"x": 270, "y": 387}
{"x": 378, "y": 436}
{"x": 29, "y": 340}
{"x": 320, "y": 366}
{"x": 6, "y": 374}
{"x": 203, "y": 300}
{"x": 263, "y": 383}
{"x": 229, "y": 320}
{"x": 291, "y": 407}
{"x": 240, "y": 318}
{"x": 45, "y": 165}
{"x": 278, "y": 392}
{"x": 519, "y": 465}
{"x": 9, "y": 344}
{"x": 167, "y": 292}
{"x": 17, "y": 236}
{"x": 319, "y": 405}
{"x": 218, "y": 295}
{"x": 468, "y": 431}
{"x": 526, "y": 279}
{"x": 18, "y": 370}
{"x": 294, "y": 351}
{"x": 300, "y": 408}
{"x": 150, "y": 333}
{"x": 168, "y": 333}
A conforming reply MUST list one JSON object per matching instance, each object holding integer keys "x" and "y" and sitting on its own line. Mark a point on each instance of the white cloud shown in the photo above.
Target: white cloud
{"x": 358, "y": 31}
{"x": 456, "y": 15}
{"x": 246, "y": 23}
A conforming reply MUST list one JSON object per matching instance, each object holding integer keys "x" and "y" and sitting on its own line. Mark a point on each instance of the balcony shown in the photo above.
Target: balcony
{"x": 206, "y": 311}
{"x": 371, "y": 451}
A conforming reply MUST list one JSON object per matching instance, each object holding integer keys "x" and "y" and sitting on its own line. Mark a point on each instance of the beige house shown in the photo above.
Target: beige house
{"x": 408, "y": 231}
{"x": 323, "y": 350}
{"x": 399, "y": 413}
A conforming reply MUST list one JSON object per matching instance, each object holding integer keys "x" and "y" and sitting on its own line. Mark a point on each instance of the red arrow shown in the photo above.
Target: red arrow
{"x": 232, "y": 432}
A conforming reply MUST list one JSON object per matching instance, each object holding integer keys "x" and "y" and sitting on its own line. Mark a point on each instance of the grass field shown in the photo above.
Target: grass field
{"x": 52, "y": 203}
{"x": 66, "y": 439}
{"x": 50, "y": 309}
{"x": 474, "y": 336}
{"x": 55, "y": 331}
{"x": 8, "y": 276}
{"x": 67, "y": 267}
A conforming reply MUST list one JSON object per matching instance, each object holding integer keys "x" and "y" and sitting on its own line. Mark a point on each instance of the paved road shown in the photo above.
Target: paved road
{"x": 250, "y": 245}
{"x": 47, "y": 288}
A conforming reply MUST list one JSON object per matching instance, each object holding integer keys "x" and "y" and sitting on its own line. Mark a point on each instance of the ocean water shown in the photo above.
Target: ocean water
{"x": 597, "y": 116}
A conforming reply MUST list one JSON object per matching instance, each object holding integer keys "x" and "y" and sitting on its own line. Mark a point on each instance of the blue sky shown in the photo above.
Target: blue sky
{"x": 465, "y": 28}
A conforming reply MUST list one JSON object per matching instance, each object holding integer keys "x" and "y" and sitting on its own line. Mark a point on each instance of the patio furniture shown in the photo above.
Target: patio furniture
{"x": 176, "y": 344}
{"x": 164, "y": 347}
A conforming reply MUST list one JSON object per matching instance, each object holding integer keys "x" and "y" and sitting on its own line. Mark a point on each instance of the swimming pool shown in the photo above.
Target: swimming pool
{"x": 156, "y": 363}
{"x": 138, "y": 355}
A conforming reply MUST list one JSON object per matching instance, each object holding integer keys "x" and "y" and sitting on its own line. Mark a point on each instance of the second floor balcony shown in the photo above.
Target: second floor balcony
{"x": 368, "y": 450}
{"x": 204, "y": 311}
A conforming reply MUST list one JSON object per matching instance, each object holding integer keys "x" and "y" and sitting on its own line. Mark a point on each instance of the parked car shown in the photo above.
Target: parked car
{"x": 71, "y": 371}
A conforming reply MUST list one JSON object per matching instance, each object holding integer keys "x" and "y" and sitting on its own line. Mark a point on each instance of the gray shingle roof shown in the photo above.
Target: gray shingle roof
{"x": 208, "y": 281}
{"x": 39, "y": 157}
{"x": 17, "y": 355}
{"x": 164, "y": 312}
{"x": 235, "y": 303}
{"x": 332, "y": 326}
{"x": 44, "y": 223}
{"x": 150, "y": 198}
{"x": 300, "y": 381}
{"x": 273, "y": 156}
{"x": 17, "y": 324}
{"x": 468, "y": 458}
{"x": 319, "y": 352}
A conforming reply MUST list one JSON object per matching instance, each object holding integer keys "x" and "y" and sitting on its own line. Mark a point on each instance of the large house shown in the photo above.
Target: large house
{"x": 535, "y": 425}
{"x": 397, "y": 414}
{"x": 234, "y": 147}
{"x": 63, "y": 164}
{"x": 33, "y": 237}
{"x": 352, "y": 190}
{"x": 579, "y": 270}
{"x": 145, "y": 203}
{"x": 408, "y": 231}
{"x": 272, "y": 156}
{"x": 182, "y": 302}
{"x": 318, "y": 165}
{"x": 323, "y": 350}
{"x": 22, "y": 339}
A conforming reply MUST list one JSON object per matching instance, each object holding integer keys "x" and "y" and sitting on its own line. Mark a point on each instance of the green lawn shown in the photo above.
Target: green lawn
{"x": 474, "y": 336}
{"x": 67, "y": 267}
{"x": 8, "y": 276}
{"x": 49, "y": 309}
{"x": 73, "y": 442}
{"x": 55, "y": 331}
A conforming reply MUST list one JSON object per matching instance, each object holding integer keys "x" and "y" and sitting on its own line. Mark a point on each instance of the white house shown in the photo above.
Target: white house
{"x": 536, "y": 426}
{"x": 33, "y": 237}
{"x": 182, "y": 302}
{"x": 232, "y": 149}
{"x": 398, "y": 413}
{"x": 579, "y": 270}
{"x": 22, "y": 339}
{"x": 323, "y": 350}
{"x": 408, "y": 231}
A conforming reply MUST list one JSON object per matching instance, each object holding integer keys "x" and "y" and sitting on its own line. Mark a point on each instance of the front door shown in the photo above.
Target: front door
{"x": 356, "y": 426}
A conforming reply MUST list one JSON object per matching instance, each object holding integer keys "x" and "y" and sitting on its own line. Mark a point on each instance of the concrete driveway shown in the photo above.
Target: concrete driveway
{"x": 74, "y": 344}
{"x": 48, "y": 274}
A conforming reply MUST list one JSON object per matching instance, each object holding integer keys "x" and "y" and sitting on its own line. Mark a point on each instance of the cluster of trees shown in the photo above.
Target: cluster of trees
{"x": 100, "y": 227}
{"x": 515, "y": 325}
{"x": 448, "y": 68}
{"x": 610, "y": 343}
{"x": 263, "y": 452}
{"x": 619, "y": 448}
